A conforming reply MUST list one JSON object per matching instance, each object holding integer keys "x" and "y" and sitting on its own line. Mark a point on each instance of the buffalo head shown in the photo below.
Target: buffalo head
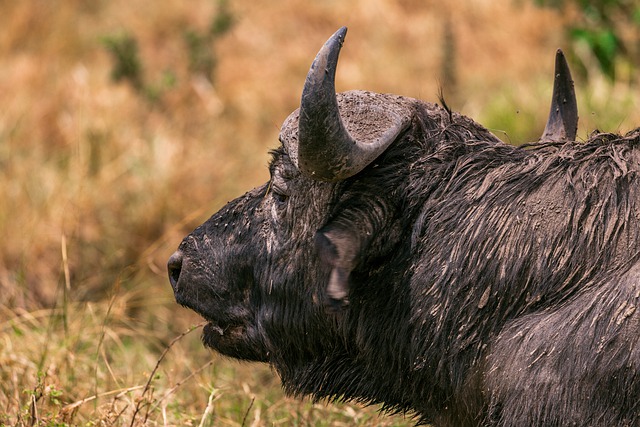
{"x": 270, "y": 262}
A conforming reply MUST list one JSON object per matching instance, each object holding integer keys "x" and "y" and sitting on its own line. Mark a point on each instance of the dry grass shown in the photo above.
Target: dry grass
{"x": 99, "y": 183}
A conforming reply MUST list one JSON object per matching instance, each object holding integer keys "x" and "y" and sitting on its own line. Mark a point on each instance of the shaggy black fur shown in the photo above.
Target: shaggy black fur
{"x": 483, "y": 284}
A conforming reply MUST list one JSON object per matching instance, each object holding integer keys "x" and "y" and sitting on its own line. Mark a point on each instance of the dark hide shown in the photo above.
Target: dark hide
{"x": 486, "y": 284}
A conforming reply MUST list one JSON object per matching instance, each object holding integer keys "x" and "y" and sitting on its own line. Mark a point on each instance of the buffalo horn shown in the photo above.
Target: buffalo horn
{"x": 327, "y": 151}
{"x": 563, "y": 116}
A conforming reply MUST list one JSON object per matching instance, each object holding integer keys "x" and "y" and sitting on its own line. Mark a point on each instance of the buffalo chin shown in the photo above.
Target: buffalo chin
{"x": 233, "y": 341}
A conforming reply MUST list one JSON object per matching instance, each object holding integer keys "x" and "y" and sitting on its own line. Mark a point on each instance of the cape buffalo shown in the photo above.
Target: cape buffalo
{"x": 402, "y": 254}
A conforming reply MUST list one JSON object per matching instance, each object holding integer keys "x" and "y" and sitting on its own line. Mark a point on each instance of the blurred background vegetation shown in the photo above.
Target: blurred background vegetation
{"x": 124, "y": 124}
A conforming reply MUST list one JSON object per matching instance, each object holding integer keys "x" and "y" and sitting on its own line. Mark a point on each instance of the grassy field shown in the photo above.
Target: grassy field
{"x": 100, "y": 179}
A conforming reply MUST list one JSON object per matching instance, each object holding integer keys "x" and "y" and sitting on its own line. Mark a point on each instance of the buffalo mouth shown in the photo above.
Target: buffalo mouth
{"x": 230, "y": 328}
{"x": 216, "y": 334}
{"x": 231, "y": 335}
{"x": 235, "y": 337}
{"x": 237, "y": 340}
{"x": 221, "y": 331}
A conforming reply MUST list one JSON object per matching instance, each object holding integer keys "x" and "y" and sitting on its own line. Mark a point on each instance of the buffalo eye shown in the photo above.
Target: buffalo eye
{"x": 279, "y": 191}
{"x": 279, "y": 197}
{"x": 279, "y": 188}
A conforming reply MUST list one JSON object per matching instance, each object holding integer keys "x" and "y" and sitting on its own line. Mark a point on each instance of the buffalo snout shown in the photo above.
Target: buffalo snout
{"x": 174, "y": 267}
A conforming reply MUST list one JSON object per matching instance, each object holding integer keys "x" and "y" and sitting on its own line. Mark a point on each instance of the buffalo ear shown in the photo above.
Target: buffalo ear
{"x": 338, "y": 249}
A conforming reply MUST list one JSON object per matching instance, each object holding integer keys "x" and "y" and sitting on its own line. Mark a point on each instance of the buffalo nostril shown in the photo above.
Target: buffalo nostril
{"x": 174, "y": 265}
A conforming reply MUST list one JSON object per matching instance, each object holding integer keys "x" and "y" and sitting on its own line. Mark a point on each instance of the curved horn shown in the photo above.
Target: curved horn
{"x": 563, "y": 116}
{"x": 327, "y": 151}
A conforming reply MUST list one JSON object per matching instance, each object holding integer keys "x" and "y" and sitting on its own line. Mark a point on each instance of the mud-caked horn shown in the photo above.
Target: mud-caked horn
{"x": 334, "y": 145}
{"x": 562, "y": 124}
